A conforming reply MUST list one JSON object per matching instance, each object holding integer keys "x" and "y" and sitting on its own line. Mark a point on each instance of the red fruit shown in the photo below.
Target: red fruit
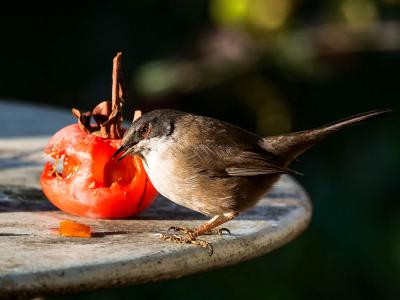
{"x": 91, "y": 183}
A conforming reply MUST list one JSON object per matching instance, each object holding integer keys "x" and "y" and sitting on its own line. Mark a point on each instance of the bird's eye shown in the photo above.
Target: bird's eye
{"x": 144, "y": 130}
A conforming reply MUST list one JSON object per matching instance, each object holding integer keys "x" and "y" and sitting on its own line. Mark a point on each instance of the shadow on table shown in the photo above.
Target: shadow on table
{"x": 25, "y": 199}
{"x": 164, "y": 209}
{"x": 18, "y": 159}
{"x": 12, "y": 234}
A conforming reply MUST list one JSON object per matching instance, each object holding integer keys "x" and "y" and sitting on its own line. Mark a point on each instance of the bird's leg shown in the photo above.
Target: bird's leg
{"x": 207, "y": 228}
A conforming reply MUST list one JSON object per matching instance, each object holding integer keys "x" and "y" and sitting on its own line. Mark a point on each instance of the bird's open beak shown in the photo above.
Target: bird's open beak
{"x": 125, "y": 150}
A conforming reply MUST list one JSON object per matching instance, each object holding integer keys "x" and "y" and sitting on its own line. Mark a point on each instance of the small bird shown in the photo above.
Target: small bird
{"x": 215, "y": 167}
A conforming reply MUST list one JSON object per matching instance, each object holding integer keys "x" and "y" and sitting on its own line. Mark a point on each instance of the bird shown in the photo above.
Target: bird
{"x": 214, "y": 167}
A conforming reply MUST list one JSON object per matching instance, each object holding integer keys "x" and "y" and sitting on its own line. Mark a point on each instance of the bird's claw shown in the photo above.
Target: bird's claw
{"x": 191, "y": 236}
{"x": 188, "y": 240}
{"x": 188, "y": 231}
{"x": 218, "y": 231}
{"x": 192, "y": 232}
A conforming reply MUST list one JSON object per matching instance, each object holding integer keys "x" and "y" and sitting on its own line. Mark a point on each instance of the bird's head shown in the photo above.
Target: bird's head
{"x": 148, "y": 132}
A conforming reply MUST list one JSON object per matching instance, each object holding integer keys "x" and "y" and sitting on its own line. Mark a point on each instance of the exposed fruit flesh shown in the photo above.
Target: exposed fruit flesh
{"x": 91, "y": 183}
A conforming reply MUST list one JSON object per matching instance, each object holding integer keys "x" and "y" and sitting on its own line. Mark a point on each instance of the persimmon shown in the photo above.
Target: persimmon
{"x": 90, "y": 182}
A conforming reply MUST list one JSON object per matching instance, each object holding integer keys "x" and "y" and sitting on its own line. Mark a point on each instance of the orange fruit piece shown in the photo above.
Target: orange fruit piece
{"x": 74, "y": 229}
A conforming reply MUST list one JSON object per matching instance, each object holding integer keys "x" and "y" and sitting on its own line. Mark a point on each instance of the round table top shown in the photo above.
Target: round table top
{"x": 34, "y": 260}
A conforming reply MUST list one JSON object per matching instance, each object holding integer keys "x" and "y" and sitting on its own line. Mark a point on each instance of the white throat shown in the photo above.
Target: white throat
{"x": 158, "y": 165}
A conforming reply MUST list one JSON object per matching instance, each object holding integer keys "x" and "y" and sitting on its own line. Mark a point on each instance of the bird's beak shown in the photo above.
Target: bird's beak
{"x": 128, "y": 148}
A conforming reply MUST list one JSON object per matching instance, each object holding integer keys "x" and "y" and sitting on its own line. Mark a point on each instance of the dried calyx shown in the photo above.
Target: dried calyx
{"x": 107, "y": 114}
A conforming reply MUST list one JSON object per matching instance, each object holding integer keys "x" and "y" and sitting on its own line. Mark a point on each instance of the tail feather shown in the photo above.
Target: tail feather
{"x": 290, "y": 146}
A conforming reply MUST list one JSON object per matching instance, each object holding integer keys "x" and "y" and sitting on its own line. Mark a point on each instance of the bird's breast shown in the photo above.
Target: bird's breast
{"x": 159, "y": 166}
{"x": 172, "y": 181}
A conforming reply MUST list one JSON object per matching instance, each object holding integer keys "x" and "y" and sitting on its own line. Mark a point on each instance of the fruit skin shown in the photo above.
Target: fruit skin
{"x": 92, "y": 184}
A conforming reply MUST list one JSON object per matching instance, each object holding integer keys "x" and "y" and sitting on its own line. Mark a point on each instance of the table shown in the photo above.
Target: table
{"x": 35, "y": 261}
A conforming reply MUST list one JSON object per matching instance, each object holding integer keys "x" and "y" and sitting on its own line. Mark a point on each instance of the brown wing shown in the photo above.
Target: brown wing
{"x": 251, "y": 164}
{"x": 216, "y": 148}
{"x": 230, "y": 161}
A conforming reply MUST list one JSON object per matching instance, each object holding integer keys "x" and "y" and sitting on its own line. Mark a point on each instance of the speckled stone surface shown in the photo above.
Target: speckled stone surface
{"x": 35, "y": 261}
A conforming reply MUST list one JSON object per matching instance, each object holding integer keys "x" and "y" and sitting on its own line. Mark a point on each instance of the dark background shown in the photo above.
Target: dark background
{"x": 270, "y": 66}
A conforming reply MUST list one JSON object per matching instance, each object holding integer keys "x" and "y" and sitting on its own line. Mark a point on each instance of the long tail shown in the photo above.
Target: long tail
{"x": 290, "y": 146}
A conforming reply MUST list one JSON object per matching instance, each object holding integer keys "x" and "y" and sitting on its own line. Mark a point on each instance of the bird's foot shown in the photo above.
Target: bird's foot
{"x": 194, "y": 232}
{"x": 188, "y": 240}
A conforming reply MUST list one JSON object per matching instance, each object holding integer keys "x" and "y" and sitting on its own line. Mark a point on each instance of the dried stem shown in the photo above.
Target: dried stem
{"x": 108, "y": 115}
{"x": 122, "y": 94}
{"x": 115, "y": 82}
{"x": 115, "y": 99}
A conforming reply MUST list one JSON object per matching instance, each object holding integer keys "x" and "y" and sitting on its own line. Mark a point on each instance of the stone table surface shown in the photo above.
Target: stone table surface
{"x": 34, "y": 260}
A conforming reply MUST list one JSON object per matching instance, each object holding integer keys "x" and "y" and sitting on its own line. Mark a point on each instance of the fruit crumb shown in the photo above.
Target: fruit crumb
{"x": 74, "y": 229}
